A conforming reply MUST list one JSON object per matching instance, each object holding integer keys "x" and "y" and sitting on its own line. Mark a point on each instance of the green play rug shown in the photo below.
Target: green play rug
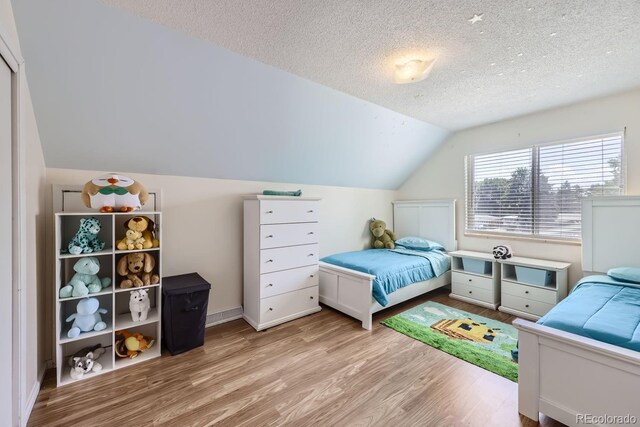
{"x": 484, "y": 342}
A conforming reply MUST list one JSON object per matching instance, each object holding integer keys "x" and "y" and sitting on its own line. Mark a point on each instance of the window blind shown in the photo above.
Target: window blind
{"x": 537, "y": 191}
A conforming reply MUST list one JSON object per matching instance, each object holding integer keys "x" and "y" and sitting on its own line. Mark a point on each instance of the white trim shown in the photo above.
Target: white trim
{"x": 223, "y": 316}
{"x": 10, "y": 54}
{"x": 33, "y": 396}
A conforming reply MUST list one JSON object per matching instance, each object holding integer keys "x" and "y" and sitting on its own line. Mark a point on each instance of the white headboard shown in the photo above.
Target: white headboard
{"x": 610, "y": 233}
{"x": 431, "y": 219}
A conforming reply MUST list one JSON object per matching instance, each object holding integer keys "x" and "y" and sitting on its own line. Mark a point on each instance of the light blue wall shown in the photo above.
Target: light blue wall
{"x": 113, "y": 91}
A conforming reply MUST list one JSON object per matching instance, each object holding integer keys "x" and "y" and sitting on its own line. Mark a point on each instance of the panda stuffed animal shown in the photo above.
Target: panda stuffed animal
{"x": 502, "y": 252}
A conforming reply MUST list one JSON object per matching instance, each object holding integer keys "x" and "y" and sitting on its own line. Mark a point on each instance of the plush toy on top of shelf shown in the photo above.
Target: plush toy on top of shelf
{"x": 87, "y": 317}
{"x": 113, "y": 192}
{"x": 84, "y": 361}
{"x": 85, "y": 281}
{"x": 86, "y": 239}
{"x": 138, "y": 270}
{"x": 140, "y": 234}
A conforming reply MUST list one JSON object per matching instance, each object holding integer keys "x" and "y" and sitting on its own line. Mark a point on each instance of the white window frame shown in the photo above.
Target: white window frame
{"x": 535, "y": 170}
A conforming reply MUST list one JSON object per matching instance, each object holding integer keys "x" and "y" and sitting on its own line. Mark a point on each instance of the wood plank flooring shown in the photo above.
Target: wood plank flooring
{"x": 322, "y": 370}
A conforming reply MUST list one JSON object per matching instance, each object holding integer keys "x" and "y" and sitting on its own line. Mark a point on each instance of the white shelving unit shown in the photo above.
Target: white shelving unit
{"x": 479, "y": 288}
{"x": 528, "y": 300}
{"x": 112, "y": 298}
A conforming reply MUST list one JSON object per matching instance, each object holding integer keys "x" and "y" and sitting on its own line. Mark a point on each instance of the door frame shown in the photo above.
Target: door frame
{"x": 11, "y": 55}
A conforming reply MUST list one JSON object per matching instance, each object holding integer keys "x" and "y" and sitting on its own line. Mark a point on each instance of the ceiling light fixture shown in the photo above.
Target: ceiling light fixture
{"x": 414, "y": 70}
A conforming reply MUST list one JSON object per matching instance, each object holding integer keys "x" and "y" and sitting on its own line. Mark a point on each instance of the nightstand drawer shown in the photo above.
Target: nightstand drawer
{"x": 529, "y": 292}
{"x": 472, "y": 280}
{"x": 289, "y": 257}
{"x": 530, "y": 306}
{"x": 280, "y": 235}
{"x": 469, "y": 291}
{"x": 288, "y": 211}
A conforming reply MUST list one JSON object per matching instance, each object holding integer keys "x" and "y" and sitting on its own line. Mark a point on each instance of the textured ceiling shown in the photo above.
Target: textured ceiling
{"x": 523, "y": 56}
{"x": 113, "y": 91}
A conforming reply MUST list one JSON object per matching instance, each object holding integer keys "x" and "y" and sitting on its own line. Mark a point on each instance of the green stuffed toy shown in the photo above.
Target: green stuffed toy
{"x": 381, "y": 237}
{"x": 86, "y": 280}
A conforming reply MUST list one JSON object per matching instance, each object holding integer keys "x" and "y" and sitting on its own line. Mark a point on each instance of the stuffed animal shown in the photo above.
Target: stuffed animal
{"x": 86, "y": 239}
{"x": 141, "y": 231}
{"x": 84, "y": 361}
{"x": 113, "y": 192}
{"x": 139, "y": 305}
{"x": 131, "y": 344}
{"x": 381, "y": 237}
{"x": 87, "y": 317}
{"x": 502, "y": 252}
{"x": 86, "y": 280}
{"x": 138, "y": 270}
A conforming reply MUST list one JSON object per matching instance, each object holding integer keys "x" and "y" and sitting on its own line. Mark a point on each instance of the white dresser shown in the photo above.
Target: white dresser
{"x": 478, "y": 286}
{"x": 281, "y": 248}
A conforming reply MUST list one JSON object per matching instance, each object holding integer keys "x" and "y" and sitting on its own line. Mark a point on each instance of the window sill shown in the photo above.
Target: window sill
{"x": 523, "y": 238}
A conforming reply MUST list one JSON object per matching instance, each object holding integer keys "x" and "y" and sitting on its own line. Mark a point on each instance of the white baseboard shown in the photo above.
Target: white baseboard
{"x": 224, "y": 316}
{"x": 33, "y": 395}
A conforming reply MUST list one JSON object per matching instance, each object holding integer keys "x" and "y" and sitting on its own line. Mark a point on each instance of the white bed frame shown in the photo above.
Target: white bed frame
{"x": 349, "y": 291}
{"x": 566, "y": 376}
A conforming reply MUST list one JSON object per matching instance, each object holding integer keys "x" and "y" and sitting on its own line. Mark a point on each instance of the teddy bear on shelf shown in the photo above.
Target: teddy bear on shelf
{"x": 138, "y": 270}
{"x": 381, "y": 237}
{"x": 85, "y": 281}
{"x": 87, "y": 317}
{"x": 85, "y": 361}
{"x": 140, "y": 234}
{"x": 139, "y": 305}
{"x": 130, "y": 345}
{"x": 86, "y": 239}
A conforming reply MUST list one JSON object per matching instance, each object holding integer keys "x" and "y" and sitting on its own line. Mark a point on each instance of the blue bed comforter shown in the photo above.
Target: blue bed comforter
{"x": 601, "y": 308}
{"x": 394, "y": 269}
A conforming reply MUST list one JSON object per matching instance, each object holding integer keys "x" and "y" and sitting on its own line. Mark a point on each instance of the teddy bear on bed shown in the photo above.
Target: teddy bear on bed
{"x": 381, "y": 237}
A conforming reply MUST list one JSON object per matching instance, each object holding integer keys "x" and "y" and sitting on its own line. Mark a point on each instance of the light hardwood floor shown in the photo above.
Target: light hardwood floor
{"x": 323, "y": 369}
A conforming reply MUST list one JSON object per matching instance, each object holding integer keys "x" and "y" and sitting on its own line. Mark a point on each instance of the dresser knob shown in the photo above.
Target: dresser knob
{"x": 470, "y": 292}
{"x": 269, "y": 236}
{"x": 527, "y": 305}
{"x": 269, "y": 212}
{"x": 526, "y": 292}
{"x": 270, "y": 284}
{"x": 471, "y": 280}
{"x": 310, "y": 297}
{"x": 311, "y": 275}
{"x": 310, "y": 255}
{"x": 269, "y": 260}
{"x": 311, "y": 232}
{"x": 311, "y": 211}
{"x": 270, "y": 309}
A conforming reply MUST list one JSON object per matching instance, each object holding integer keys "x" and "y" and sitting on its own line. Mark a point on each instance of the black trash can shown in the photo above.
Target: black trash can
{"x": 184, "y": 311}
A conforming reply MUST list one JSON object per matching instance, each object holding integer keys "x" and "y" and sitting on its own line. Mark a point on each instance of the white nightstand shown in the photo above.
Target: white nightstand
{"x": 532, "y": 299}
{"x": 480, "y": 286}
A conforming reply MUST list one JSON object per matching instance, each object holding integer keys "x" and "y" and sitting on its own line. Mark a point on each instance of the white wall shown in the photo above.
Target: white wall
{"x": 443, "y": 174}
{"x": 202, "y": 223}
{"x": 36, "y": 354}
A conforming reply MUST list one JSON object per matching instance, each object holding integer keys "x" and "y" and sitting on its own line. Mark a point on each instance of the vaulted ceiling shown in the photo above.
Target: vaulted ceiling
{"x": 522, "y": 56}
{"x": 302, "y": 91}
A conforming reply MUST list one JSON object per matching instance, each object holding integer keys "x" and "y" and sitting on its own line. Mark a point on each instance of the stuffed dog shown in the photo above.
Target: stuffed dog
{"x": 138, "y": 270}
{"x": 140, "y": 234}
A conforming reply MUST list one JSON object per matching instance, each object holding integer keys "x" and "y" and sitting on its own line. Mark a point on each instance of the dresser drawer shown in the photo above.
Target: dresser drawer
{"x": 286, "y": 211}
{"x": 468, "y": 291}
{"x": 288, "y": 280}
{"x": 472, "y": 280}
{"x": 529, "y": 292}
{"x": 289, "y": 304}
{"x": 530, "y": 306}
{"x": 278, "y": 235}
{"x": 289, "y": 257}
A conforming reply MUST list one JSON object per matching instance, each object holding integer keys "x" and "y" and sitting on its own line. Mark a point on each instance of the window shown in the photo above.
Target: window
{"x": 537, "y": 191}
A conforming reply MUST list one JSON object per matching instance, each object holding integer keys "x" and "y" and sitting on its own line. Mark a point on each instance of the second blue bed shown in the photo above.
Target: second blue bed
{"x": 393, "y": 268}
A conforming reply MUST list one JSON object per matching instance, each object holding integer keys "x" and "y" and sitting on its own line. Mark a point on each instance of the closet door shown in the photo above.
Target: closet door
{"x": 6, "y": 282}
